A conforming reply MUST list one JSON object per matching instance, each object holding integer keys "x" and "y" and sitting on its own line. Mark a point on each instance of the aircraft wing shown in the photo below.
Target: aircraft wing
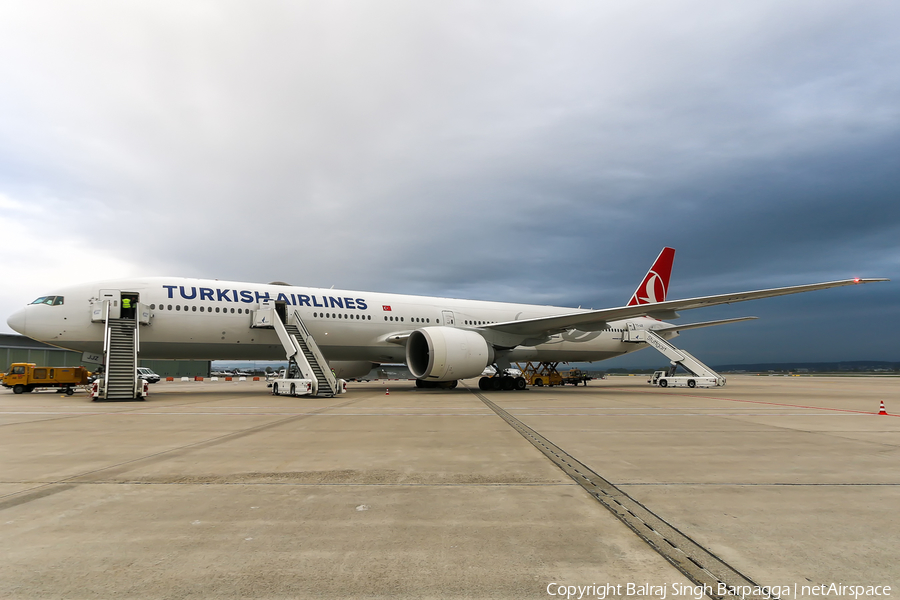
{"x": 597, "y": 319}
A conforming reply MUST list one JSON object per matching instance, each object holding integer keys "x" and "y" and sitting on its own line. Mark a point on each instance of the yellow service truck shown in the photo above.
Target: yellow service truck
{"x": 575, "y": 376}
{"x": 24, "y": 377}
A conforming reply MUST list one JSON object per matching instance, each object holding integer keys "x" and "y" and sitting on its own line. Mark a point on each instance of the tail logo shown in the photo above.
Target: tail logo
{"x": 655, "y": 285}
{"x": 654, "y": 289}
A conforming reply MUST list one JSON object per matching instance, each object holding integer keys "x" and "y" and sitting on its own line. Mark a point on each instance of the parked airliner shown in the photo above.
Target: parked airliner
{"x": 440, "y": 339}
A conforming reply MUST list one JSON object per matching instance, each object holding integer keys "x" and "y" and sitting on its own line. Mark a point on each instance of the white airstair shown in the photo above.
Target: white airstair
{"x": 121, "y": 342}
{"x": 701, "y": 375}
{"x": 305, "y": 359}
{"x": 682, "y": 358}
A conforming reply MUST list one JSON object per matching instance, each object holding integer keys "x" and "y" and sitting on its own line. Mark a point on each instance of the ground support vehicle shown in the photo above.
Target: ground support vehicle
{"x": 306, "y": 362}
{"x": 575, "y": 376}
{"x": 99, "y": 390}
{"x": 541, "y": 374}
{"x": 284, "y": 386}
{"x": 292, "y": 384}
{"x": 25, "y": 377}
{"x": 699, "y": 375}
{"x": 664, "y": 379}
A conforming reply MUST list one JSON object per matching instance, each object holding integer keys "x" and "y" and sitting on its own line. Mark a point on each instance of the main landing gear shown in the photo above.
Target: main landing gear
{"x": 445, "y": 385}
{"x": 503, "y": 382}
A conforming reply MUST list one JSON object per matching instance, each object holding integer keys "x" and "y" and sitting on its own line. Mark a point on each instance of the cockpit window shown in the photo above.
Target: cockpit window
{"x": 49, "y": 300}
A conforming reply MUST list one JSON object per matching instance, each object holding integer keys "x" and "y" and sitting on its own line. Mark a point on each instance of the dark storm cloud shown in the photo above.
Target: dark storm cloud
{"x": 522, "y": 152}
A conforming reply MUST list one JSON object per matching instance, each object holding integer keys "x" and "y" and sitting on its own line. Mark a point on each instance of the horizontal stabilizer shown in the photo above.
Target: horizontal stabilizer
{"x": 687, "y": 326}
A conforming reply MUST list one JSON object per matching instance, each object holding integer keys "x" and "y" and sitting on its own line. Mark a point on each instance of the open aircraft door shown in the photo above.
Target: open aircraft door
{"x": 114, "y": 297}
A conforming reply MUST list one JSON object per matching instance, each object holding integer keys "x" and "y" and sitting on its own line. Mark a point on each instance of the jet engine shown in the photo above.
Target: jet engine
{"x": 447, "y": 354}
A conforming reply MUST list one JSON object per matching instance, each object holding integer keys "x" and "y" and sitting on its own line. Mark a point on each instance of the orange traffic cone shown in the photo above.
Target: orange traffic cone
{"x": 387, "y": 392}
{"x": 881, "y": 410}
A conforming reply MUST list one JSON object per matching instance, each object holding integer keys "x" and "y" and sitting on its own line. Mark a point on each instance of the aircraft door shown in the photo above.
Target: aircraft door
{"x": 449, "y": 319}
{"x": 129, "y": 312}
{"x": 633, "y": 334}
{"x": 281, "y": 310}
{"x": 114, "y": 297}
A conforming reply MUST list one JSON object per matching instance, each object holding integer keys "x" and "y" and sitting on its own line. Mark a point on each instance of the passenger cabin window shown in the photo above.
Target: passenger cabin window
{"x": 18, "y": 370}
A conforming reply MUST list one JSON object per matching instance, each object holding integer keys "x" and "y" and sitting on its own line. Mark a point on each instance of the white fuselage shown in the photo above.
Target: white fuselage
{"x": 210, "y": 320}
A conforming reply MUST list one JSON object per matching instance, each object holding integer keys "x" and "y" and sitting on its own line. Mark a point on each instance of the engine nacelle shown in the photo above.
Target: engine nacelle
{"x": 447, "y": 353}
{"x": 351, "y": 369}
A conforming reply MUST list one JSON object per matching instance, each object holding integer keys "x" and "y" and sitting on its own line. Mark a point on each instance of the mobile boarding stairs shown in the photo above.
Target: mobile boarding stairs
{"x": 121, "y": 344}
{"x": 308, "y": 371}
{"x": 700, "y": 374}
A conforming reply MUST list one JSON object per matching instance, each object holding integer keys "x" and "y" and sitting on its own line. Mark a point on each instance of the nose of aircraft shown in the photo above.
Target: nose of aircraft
{"x": 16, "y": 321}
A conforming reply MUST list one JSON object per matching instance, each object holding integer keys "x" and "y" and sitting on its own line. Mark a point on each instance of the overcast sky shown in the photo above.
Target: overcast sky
{"x": 520, "y": 151}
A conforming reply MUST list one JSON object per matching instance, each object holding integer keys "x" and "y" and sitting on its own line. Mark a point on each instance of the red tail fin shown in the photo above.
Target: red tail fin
{"x": 655, "y": 285}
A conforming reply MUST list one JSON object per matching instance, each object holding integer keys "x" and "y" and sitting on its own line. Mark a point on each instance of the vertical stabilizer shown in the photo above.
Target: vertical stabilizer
{"x": 655, "y": 285}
